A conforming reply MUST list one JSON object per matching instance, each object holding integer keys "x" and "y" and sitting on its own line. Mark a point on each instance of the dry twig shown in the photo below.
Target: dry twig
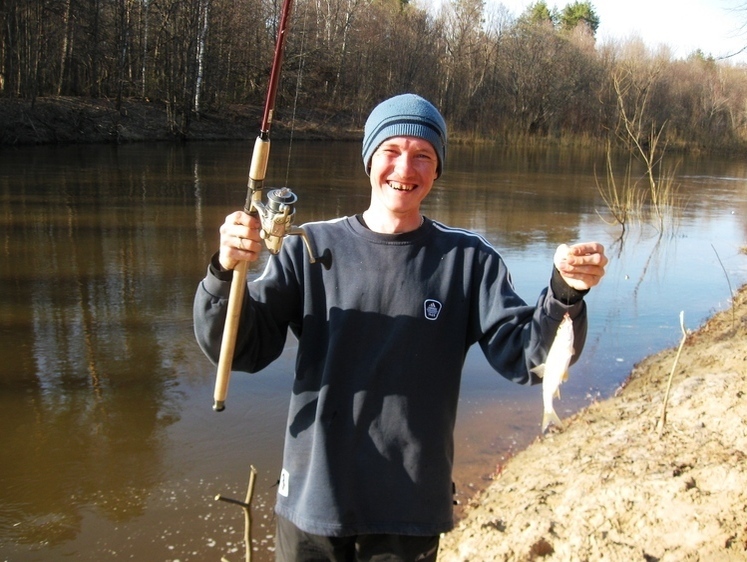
{"x": 247, "y": 506}
{"x": 663, "y": 418}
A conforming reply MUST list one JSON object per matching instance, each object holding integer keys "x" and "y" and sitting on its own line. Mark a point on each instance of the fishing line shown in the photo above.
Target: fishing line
{"x": 298, "y": 89}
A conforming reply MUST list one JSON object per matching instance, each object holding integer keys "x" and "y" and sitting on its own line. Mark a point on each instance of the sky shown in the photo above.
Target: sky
{"x": 713, "y": 26}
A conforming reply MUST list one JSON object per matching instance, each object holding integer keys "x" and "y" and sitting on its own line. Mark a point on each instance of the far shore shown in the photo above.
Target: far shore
{"x": 60, "y": 120}
{"x": 74, "y": 120}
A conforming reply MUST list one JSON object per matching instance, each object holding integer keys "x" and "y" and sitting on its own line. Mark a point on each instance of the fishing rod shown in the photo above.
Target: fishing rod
{"x": 276, "y": 217}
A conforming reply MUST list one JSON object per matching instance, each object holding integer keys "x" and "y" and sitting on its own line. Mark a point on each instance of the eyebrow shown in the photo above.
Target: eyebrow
{"x": 427, "y": 147}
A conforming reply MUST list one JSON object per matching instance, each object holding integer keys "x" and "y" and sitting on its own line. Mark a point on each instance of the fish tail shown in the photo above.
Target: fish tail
{"x": 551, "y": 418}
{"x": 539, "y": 370}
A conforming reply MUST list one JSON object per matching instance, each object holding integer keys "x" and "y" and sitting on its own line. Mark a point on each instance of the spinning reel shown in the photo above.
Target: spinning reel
{"x": 276, "y": 217}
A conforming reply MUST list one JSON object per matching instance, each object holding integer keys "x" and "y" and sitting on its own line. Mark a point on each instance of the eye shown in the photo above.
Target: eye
{"x": 386, "y": 150}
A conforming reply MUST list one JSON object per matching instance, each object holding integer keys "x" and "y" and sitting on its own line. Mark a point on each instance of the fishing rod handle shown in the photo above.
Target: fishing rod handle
{"x": 228, "y": 343}
{"x": 257, "y": 172}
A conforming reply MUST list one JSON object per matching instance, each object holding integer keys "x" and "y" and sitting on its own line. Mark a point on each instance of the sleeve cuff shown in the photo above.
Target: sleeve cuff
{"x": 218, "y": 271}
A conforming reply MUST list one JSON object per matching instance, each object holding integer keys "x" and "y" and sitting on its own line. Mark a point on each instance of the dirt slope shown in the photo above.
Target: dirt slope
{"x": 611, "y": 488}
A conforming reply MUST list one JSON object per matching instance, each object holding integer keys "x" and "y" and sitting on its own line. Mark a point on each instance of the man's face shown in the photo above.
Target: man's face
{"x": 403, "y": 170}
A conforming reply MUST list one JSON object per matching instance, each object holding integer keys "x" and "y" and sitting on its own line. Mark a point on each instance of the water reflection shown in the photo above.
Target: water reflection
{"x": 110, "y": 446}
{"x": 92, "y": 302}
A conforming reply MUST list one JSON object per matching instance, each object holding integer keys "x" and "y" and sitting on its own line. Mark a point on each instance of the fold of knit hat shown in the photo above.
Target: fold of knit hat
{"x": 404, "y": 115}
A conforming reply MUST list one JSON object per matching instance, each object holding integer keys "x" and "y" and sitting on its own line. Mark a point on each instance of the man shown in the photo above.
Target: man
{"x": 382, "y": 338}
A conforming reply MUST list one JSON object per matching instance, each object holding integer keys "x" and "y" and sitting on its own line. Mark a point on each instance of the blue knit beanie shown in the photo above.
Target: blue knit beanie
{"x": 404, "y": 115}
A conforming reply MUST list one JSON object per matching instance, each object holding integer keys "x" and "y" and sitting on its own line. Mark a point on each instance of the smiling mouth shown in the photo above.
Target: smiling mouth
{"x": 401, "y": 186}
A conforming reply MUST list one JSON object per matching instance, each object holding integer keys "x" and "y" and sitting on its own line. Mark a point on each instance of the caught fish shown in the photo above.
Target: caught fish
{"x": 554, "y": 371}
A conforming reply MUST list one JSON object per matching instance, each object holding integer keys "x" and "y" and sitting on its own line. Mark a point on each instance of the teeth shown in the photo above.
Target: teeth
{"x": 400, "y": 187}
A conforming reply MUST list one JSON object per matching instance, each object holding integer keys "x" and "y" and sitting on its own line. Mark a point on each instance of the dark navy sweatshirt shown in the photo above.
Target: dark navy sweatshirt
{"x": 382, "y": 339}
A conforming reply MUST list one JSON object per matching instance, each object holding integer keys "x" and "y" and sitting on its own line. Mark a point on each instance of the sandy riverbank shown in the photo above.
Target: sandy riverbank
{"x": 611, "y": 488}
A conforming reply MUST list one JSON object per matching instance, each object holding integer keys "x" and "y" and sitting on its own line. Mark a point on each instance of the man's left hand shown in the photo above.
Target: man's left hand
{"x": 581, "y": 265}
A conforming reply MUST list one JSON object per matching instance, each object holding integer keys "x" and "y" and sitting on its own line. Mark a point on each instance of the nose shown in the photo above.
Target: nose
{"x": 404, "y": 164}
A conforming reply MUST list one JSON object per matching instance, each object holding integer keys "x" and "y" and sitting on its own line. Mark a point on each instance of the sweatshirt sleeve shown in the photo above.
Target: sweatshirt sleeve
{"x": 263, "y": 326}
{"x": 518, "y": 336}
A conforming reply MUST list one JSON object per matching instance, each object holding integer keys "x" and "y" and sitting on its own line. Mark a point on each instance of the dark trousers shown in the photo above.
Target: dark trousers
{"x": 294, "y": 545}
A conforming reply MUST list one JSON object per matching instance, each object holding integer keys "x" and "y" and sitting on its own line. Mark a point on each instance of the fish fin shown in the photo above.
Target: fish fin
{"x": 565, "y": 376}
{"x": 539, "y": 370}
{"x": 551, "y": 418}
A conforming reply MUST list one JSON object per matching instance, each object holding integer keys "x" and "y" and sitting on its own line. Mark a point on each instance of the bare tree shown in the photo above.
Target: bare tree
{"x": 203, "y": 18}
{"x": 465, "y": 61}
{"x": 642, "y": 136}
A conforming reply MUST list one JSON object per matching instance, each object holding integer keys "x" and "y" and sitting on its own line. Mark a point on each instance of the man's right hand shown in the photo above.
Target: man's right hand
{"x": 239, "y": 239}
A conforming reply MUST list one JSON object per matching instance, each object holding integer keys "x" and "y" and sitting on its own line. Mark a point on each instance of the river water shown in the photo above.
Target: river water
{"x": 110, "y": 448}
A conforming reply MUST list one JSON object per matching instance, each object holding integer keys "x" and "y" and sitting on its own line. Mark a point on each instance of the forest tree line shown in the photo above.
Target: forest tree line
{"x": 494, "y": 75}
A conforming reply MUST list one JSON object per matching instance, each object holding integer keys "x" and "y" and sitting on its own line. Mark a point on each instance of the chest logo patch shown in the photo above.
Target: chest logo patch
{"x": 432, "y": 309}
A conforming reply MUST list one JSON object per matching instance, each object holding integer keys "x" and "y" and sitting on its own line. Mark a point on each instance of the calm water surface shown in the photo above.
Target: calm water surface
{"x": 110, "y": 448}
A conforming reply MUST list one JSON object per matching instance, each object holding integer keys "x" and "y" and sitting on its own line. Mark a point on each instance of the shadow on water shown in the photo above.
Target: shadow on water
{"x": 110, "y": 446}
